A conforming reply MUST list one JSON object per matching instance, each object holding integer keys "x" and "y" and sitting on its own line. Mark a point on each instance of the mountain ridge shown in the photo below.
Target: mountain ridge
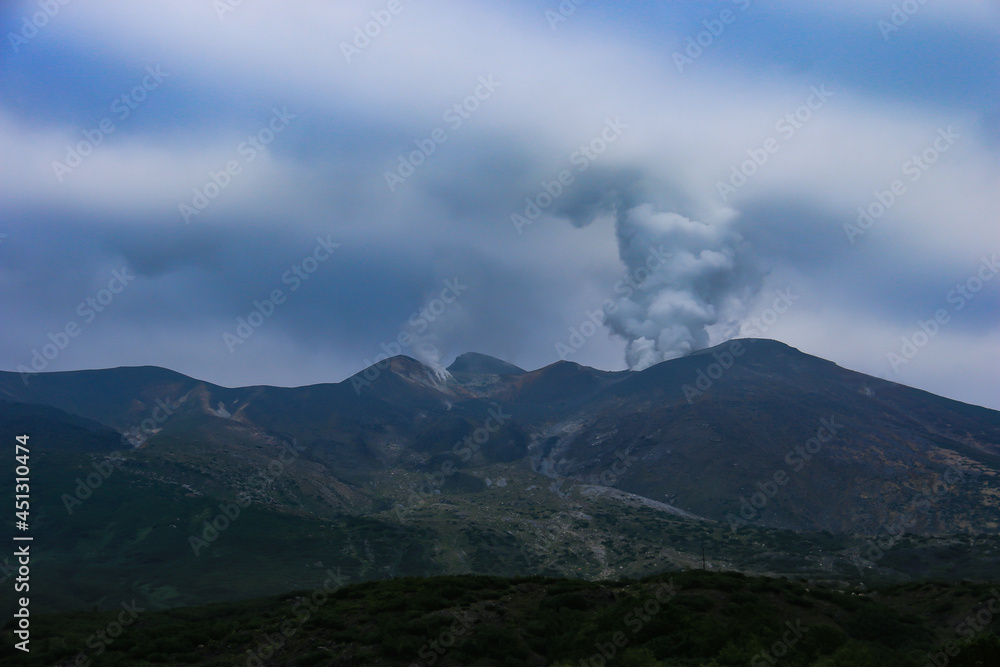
{"x": 770, "y": 460}
{"x": 704, "y": 429}
{"x": 460, "y": 364}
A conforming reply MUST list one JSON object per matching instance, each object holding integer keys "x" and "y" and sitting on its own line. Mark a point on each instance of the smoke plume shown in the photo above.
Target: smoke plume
{"x": 692, "y": 280}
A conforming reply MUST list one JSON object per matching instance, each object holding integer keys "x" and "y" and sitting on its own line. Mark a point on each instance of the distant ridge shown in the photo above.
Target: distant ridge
{"x": 705, "y": 432}
{"x": 474, "y": 363}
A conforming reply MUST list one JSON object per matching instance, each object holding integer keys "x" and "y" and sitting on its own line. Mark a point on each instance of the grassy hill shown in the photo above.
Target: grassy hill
{"x": 111, "y": 527}
{"x": 681, "y": 619}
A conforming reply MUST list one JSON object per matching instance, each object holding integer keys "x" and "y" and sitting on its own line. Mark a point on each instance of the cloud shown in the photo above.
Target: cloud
{"x": 656, "y": 184}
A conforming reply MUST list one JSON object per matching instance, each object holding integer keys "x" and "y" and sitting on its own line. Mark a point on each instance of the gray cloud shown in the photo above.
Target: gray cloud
{"x": 655, "y": 185}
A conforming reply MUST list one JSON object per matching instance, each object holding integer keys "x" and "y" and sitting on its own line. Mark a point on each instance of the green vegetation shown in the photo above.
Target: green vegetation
{"x": 130, "y": 539}
{"x": 683, "y": 619}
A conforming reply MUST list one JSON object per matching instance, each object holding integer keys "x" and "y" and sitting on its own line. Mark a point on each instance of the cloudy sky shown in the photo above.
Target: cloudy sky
{"x": 612, "y": 183}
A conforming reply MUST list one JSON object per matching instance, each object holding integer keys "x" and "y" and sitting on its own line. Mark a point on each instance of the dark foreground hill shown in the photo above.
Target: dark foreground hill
{"x": 683, "y": 619}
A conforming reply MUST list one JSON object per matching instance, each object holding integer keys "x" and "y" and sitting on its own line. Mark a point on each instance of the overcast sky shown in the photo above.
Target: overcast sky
{"x": 695, "y": 165}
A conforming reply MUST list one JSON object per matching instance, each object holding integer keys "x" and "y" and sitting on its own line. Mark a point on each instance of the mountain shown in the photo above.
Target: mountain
{"x": 704, "y": 433}
{"x": 473, "y": 363}
{"x": 54, "y": 429}
{"x": 769, "y": 459}
{"x": 709, "y": 444}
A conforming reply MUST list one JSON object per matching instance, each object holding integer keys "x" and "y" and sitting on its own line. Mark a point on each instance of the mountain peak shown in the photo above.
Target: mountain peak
{"x": 474, "y": 363}
{"x": 756, "y": 344}
{"x": 761, "y": 349}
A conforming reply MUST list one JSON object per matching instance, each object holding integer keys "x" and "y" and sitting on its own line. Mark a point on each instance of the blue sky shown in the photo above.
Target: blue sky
{"x": 605, "y": 78}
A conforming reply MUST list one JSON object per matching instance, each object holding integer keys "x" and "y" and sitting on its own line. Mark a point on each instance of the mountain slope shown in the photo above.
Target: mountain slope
{"x": 474, "y": 363}
{"x": 764, "y": 459}
{"x": 750, "y": 431}
{"x": 709, "y": 430}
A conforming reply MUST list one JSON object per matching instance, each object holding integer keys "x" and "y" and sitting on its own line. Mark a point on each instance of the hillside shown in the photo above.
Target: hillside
{"x": 851, "y": 452}
{"x": 686, "y": 618}
{"x": 561, "y": 471}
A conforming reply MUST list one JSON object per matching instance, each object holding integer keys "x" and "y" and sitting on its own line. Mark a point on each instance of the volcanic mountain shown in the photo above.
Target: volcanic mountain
{"x": 488, "y": 468}
{"x": 706, "y": 431}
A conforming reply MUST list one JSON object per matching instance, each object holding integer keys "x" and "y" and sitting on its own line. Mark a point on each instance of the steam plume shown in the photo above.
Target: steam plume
{"x": 691, "y": 282}
{"x": 703, "y": 286}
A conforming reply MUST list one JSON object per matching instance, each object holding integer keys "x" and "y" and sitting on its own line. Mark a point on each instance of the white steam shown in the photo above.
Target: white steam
{"x": 690, "y": 278}
{"x": 428, "y": 353}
